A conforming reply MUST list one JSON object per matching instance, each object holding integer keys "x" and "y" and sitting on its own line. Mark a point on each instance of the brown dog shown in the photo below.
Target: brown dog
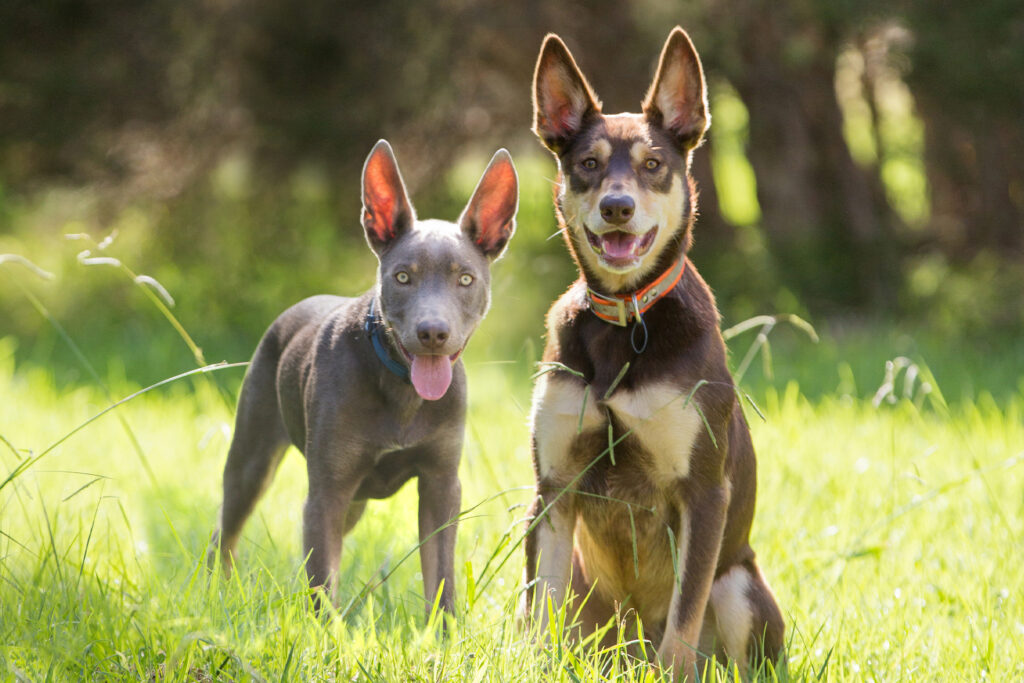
{"x": 645, "y": 470}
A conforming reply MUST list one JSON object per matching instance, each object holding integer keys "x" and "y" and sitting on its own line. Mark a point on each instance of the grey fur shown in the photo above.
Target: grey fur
{"x": 316, "y": 382}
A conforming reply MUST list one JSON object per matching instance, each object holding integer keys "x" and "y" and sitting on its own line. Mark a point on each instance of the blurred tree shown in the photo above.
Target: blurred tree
{"x": 965, "y": 65}
{"x": 127, "y": 94}
{"x": 239, "y": 129}
{"x": 829, "y": 227}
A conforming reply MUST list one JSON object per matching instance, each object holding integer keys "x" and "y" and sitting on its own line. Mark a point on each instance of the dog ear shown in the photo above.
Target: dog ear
{"x": 387, "y": 212}
{"x": 489, "y": 218}
{"x": 677, "y": 100}
{"x": 562, "y": 98}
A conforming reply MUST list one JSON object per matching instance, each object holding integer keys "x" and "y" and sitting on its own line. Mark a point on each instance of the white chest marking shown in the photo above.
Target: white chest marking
{"x": 661, "y": 417}
{"x": 666, "y": 423}
{"x": 562, "y": 408}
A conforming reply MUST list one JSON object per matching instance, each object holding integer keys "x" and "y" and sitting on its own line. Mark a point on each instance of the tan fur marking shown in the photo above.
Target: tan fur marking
{"x": 665, "y": 211}
{"x": 732, "y": 611}
{"x": 609, "y": 564}
{"x": 652, "y": 209}
{"x": 638, "y": 152}
{"x": 678, "y": 648}
{"x": 682, "y": 543}
{"x": 679, "y": 645}
{"x": 666, "y": 424}
{"x": 557, "y": 406}
{"x": 602, "y": 150}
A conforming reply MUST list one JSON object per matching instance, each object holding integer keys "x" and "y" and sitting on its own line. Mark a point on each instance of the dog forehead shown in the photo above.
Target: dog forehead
{"x": 626, "y": 135}
{"x": 435, "y": 244}
{"x": 607, "y": 134}
{"x": 627, "y": 126}
{"x": 433, "y": 230}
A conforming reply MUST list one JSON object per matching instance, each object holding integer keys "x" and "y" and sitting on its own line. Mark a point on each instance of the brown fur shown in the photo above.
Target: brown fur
{"x": 679, "y": 484}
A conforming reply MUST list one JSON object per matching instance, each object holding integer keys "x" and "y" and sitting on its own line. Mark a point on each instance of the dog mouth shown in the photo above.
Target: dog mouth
{"x": 430, "y": 374}
{"x": 618, "y": 248}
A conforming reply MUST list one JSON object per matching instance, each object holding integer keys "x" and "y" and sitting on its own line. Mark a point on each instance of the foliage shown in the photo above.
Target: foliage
{"x": 857, "y": 148}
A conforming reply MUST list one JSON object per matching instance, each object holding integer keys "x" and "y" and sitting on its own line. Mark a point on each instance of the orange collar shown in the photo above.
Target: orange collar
{"x": 619, "y": 309}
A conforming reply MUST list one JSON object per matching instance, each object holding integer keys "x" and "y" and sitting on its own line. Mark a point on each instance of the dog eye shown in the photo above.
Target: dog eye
{"x": 590, "y": 163}
{"x": 652, "y": 164}
{"x": 402, "y": 277}
{"x": 465, "y": 279}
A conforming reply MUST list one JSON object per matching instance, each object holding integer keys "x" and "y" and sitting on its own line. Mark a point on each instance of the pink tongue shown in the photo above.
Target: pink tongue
{"x": 431, "y": 376}
{"x": 619, "y": 244}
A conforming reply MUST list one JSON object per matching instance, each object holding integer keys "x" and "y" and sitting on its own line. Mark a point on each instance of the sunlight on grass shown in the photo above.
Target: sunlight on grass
{"x": 889, "y": 533}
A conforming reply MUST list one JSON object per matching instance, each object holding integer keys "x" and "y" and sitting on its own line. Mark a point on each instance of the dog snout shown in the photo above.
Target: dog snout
{"x": 617, "y": 208}
{"x": 433, "y": 334}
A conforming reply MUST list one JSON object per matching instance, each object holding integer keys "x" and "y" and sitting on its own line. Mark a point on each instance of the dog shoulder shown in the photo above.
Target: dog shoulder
{"x": 564, "y": 316}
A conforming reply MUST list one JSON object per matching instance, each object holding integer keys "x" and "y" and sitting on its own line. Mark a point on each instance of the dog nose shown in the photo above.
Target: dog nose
{"x": 432, "y": 333}
{"x": 617, "y": 208}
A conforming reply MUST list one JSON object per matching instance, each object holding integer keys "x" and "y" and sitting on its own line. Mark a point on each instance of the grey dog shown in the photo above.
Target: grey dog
{"x": 371, "y": 389}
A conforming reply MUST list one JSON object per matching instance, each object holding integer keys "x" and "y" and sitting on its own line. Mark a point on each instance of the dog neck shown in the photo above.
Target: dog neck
{"x": 374, "y": 327}
{"x": 619, "y": 309}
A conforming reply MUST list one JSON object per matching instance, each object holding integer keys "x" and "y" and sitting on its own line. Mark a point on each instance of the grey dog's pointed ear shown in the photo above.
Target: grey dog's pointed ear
{"x": 677, "y": 100}
{"x": 387, "y": 212}
{"x": 562, "y": 98}
{"x": 490, "y": 216}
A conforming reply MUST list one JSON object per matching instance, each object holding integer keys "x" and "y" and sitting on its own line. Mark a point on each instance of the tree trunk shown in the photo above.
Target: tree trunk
{"x": 829, "y": 227}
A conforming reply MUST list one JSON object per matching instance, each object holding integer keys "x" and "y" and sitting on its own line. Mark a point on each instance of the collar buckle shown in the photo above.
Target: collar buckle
{"x": 610, "y": 309}
{"x": 621, "y": 309}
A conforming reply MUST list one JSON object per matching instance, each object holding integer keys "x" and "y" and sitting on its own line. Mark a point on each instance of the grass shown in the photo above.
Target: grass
{"x": 890, "y": 533}
{"x": 888, "y": 524}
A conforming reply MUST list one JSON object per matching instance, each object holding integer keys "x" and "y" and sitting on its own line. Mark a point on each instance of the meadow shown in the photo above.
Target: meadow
{"x": 176, "y": 193}
{"x": 889, "y": 524}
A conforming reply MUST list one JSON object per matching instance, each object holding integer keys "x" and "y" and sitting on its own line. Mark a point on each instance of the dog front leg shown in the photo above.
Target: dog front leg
{"x": 698, "y": 541}
{"x": 335, "y": 469}
{"x": 440, "y": 495}
{"x": 548, "y": 552}
{"x": 323, "y": 529}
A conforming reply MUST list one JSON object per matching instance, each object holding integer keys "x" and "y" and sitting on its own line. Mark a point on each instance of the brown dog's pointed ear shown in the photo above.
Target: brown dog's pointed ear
{"x": 490, "y": 216}
{"x": 677, "y": 100}
{"x": 562, "y": 98}
{"x": 387, "y": 212}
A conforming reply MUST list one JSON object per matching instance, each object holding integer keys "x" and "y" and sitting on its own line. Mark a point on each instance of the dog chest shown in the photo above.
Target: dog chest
{"x": 665, "y": 420}
{"x": 662, "y": 419}
{"x": 389, "y": 473}
{"x": 628, "y": 511}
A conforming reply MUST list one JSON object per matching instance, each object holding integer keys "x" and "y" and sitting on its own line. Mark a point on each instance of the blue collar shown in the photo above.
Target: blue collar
{"x": 373, "y": 326}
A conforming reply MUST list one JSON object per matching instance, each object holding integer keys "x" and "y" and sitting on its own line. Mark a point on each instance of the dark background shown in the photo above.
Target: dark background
{"x": 864, "y": 169}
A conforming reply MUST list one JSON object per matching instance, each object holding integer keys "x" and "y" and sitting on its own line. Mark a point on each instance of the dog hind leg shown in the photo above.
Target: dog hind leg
{"x": 748, "y": 621}
{"x": 259, "y": 442}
